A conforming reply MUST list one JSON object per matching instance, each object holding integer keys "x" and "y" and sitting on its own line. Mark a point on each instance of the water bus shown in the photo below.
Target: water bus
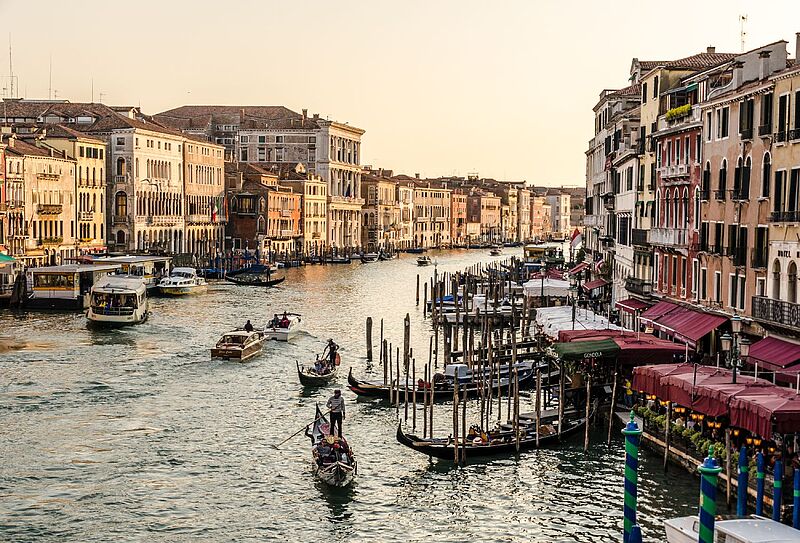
{"x": 118, "y": 300}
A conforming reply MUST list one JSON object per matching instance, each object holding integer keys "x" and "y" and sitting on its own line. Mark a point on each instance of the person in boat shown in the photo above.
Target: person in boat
{"x": 337, "y": 410}
{"x": 320, "y": 367}
{"x": 275, "y": 322}
{"x": 248, "y": 327}
{"x": 284, "y": 323}
{"x": 331, "y": 349}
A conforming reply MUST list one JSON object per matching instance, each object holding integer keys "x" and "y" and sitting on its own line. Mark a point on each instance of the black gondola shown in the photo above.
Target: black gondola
{"x": 501, "y": 442}
{"x": 310, "y": 379}
{"x": 368, "y": 258}
{"x": 338, "y": 260}
{"x": 442, "y": 390}
{"x": 416, "y": 250}
{"x": 255, "y": 281}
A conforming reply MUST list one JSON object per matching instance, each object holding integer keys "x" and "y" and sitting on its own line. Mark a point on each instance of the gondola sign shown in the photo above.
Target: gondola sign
{"x": 593, "y": 354}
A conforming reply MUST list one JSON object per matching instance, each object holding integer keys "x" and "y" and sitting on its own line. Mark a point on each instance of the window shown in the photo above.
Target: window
{"x": 655, "y": 87}
{"x": 678, "y": 151}
{"x": 718, "y": 286}
{"x": 695, "y": 277}
{"x": 121, "y": 204}
{"x": 243, "y": 155}
{"x": 722, "y": 184}
{"x": 120, "y": 142}
{"x": 722, "y": 122}
{"x": 244, "y": 139}
{"x": 81, "y": 150}
{"x": 765, "y": 175}
{"x": 733, "y": 290}
{"x": 777, "y": 199}
{"x": 278, "y": 139}
{"x": 746, "y": 108}
{"x": 761, "y": 286}
{"x": 783, "y": 118}
{"x": 687, "y": 150}
{"x": 262, "y": 139}
{"x": 644, "y": 93}
{"x": 766, "y": 115}
{"x": 709, "y": 126}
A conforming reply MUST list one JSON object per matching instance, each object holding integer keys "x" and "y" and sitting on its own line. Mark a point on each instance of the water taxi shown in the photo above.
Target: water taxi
{"x": 283, "y": 328}
{"x": 424, "y": 260}
{"x": 150, "y": 268}
{"x": 751, "y": 529}
{"x": 118, "y": 300}
{"x": 495, "y": 251}
{"x": 239, "y": 344}
{"x": 182, "y": 281}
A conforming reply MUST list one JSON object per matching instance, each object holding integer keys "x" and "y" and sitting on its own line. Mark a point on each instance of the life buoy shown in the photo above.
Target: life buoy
{"x": 338, "y": 359}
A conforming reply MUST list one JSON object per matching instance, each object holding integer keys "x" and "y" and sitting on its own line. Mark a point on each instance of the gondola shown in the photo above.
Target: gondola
{"x": 502, "y": 440}
{"x": 310, "y": 378}
{"x": 386, "y": 256}
{"x": 441, "y": 390}
{"x": 254, "y": 280}
{"x": 338, "y": 260}
{"x": 416, "y": 250}
{"x": 367, "y": 258}
{"x": 333, "y": 461}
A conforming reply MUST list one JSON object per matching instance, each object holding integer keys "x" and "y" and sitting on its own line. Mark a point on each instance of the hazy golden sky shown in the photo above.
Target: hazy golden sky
{"x": 504, "y": 89}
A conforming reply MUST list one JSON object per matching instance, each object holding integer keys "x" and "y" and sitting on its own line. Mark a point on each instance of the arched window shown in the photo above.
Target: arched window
{"x": 766, "y": 173}
{"x": 722, "y": 184}
{"x": 120, "y": 237}
{"x": 792, "y": 286}
{"x": 745, "y": 189}
{"x": 776, "y": 280}
{"x": 667, "y": 221}
{"x": 121, "y": 204}
{"x": 262, "y": 226}
{"x": 696, "y": 218}
{"x": 120, "y": 166}
{"x": 685, "y": 210}
{"x": 737, "y": 179}
{"x": 656, "y": 209}
{"x": 707, "y": 179}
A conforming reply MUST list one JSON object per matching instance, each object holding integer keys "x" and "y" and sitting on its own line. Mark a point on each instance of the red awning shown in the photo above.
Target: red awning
{"x": 774, "y": 354}
{"x": 647, "y": 379}
{"x": 578, "y": 268}
{"x": 597, "y": 283}
{"x": 632, "y": 305}
{"x": 689, "y": 325}
{"x": 761, "y": 414}
{"x": 658, "y": 310}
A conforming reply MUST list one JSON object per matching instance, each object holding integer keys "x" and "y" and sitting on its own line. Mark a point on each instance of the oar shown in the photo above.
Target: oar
{"x": 300, "y": 430}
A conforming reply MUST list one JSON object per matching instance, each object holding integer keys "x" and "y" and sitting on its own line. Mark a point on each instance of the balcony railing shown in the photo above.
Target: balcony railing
{"x": 675, "y": 237}
{"x": 720, "y": 194}
{"x": 676, "y": 170}
{"x": 778, "y": 312}
{"x": 49, "y": 209}
{"x": 785, "y": 216}
{"x": 639, "y": 236}
{"x": 120, "y": 219}
{"x": 765, "y": 130}
{"x": 794, "y": 134}
{"x": 741, "y": 194}
{"x": 120, "y": 179}
{"x": 746, "y": 134}
{"x": 50, "y": 241}
{"x": 704, "y": 195}
{"x": 780, "y": 136}
{"x": 198, "y": 218}
{"x": 86, "y": 216}
{"x": 634, "y": 285}
{"x": 758, "y": 258}
{"x": 163, "y": 220}
{"x": 738, "y": 255}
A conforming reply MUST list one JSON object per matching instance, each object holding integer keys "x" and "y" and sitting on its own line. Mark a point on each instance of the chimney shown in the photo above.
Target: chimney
{"x": 12, "y": 140}
{"x": 241, "y": 116}
{"x": 416, "y": 175}
{"x": 316, "y": 116}
{"x": 738, "y": 71}
{"x": 763, "y": 71}
{"x": 711, "y": 49}
{"x": 305, "y": 114}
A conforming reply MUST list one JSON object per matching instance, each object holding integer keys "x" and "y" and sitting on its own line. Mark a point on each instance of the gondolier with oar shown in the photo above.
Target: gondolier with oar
{"x": 336, "y": 406}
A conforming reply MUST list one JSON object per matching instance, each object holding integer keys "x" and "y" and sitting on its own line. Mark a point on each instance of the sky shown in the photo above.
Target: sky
{"x": 503, "y": 89}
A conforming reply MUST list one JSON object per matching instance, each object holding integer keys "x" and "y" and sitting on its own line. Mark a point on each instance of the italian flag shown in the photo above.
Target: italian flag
{"x": 577, "y": 238}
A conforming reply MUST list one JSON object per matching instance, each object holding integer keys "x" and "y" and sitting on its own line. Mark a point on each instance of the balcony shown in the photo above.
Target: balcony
{"x": 286, "y": 212}
{"x": 47, "y": 176}
{"x": 776, "y": 312}
{"x": 634, "y": 285}
{"x": 671, "y": 237}
{"x": 746, "y": 134}
{"x": 609, "y": 205}
{"x": 163, "y": 220}
{"x": 676, "y": 170}
{"x": 86, "y": 216}
{"x": 50, "y": 241}
{"x": 704, "y": 195}
{"x": 765, "y": 130}
{"x": 639, "y": 236}
{"x": 120, "y": 179}
{"x": 12, "y": 204}
{"x": 741, "y": 194}
{"x": 49, "y": 209}
{"x": 794, "y": 134}
{"x": 120, "y": 219}
{"x": 738, "y": 255}
{"x": 758, "y": 258}
{"x": 198, "y": 218}
{"x": 720, "y": 194}
{"x": 780, "y": 136}
{"x": 315, "y": 235}
{"x": 785, "y": 216}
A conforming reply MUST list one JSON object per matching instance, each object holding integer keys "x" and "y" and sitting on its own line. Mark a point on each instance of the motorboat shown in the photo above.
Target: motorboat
{"x": 423, "y": 260}
{"x": 366, "y": 258}
{"x": 182, "y": 281}
{"x": 239, "y": 344}
{"x": 283, "y": 328}
{"x": 496, "y": 251}
{"x": 118, "y": 300}
{"x": 752, "y": 529}
{"x": 333, "y": 461}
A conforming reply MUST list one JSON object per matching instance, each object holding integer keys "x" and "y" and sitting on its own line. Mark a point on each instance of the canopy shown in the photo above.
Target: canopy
{"x": 755, "y": 405}
{"x": 582, "y": 350}
{"x": 558, "y": 318}
{"x": 774, "y": 354}
{"x": 631, "y": 305}
{"x": 597, "y": 283}
{"x": 578, "y": 268}
{"x": 5, "y": 259}
{"x": 682, "y": 323}
{"x": 658, "y": 310}
{"x": 552, "y": 287}
{"x": 635, "y": 349}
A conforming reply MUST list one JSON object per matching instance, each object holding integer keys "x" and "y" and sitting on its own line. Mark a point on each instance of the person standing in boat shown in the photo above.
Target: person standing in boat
{"x": 248, "y": 327}
{"x": 336, "y": 406}
{"x": 331, "y": 348}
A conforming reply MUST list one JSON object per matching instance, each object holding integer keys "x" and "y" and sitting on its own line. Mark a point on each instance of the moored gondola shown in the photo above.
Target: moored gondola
{"x": 499, "y": 441}
{"x": 255, "y": 280}
{"x": 333, "y": 461}
{"x": 443, "y": 387}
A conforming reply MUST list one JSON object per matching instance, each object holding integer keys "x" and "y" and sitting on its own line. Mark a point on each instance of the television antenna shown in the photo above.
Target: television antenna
{"x": 742, "y": 32}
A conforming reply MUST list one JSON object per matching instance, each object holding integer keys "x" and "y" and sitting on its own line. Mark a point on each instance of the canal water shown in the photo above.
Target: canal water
{"x": 136, "y": 435}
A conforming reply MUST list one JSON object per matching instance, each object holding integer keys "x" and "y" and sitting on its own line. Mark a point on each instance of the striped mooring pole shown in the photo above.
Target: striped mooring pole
{"x": 741, "y": 483}
{"x": 796, "y": 502}
{"x": 633, "y": 436}
{"x": 636, "y": 535}
{"x": 709, "y": 472}
{"x": 777, "y": 491}
{"x": 760, "y": 484}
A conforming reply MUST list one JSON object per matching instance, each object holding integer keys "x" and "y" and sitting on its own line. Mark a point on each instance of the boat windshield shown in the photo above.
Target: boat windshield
{"x": 127, "y": 300}
{"x": 234, "y": 339}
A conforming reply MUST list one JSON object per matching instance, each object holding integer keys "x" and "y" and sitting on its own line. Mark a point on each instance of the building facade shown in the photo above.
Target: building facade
{"x": 204, "y": 193}
{"x": 432, "y": 207}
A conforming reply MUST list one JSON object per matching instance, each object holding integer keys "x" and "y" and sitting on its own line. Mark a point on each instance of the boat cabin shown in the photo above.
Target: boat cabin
{"x": 544, "y": 253}
{"x": 120, "y": 299}
{"x": 150, "y": 268}
{"x": 66, "y": 286}
{"x": 186, "y": 273}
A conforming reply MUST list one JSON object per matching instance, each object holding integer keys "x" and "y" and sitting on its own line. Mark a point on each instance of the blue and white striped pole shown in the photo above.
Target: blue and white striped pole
{"x": 777, "y": 491}
{"x": 741, "y": 483}
{"x": 760, "y": 484}
{"x": 709, "y": 471}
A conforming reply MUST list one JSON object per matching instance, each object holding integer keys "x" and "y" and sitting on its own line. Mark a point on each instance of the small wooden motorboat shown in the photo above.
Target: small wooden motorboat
{"x": 367, "y": 258}
{"x": 501, "y": 440}
{"x": 496, "y": 251}
{"x": 239, "y": 345}
{"x": 333, "y": 461}
{"x": 311, "y": 378}
{"x": 279, "y": 330}
{"x": 443, "y": 387}
{"x": 338, "y": 260}
{"x": 182, "y": 281}
{"x": 424, "y": 260}
{"x": 259, "y": 280}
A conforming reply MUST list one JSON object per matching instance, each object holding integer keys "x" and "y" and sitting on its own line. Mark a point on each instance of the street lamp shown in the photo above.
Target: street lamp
{"x": 736, "y": 347}
{"x": 573, "y": 289}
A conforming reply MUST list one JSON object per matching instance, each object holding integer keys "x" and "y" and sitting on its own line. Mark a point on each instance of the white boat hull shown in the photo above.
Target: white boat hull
{"x": 283, "y": 334}
{"x": 182, "y": 290}
{"x": 137, "y": 317}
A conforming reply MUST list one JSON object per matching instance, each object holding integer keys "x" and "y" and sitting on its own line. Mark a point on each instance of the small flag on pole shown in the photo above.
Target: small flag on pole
{"x": 214, "y": 210}
{"x": 577, "y": 238}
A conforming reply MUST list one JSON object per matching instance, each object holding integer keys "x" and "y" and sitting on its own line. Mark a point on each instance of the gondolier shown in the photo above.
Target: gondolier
{"x": 337, "y": 410}
{"x": 331, "y": 348}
